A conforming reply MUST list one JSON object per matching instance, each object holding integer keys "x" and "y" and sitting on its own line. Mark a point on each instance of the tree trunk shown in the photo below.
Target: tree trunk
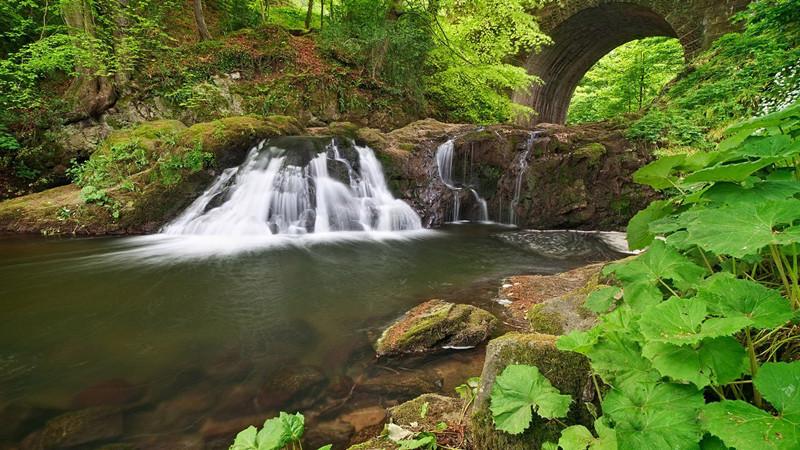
{"x": 310, "y": 13}
{"x": 321, "y": 14}
{"x": 93, "y": 94}
{"x": 202, "y": 29}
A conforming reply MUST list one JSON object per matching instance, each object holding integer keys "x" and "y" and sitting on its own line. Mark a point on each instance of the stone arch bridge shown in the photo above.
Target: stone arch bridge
{"x": 583, "y": 31}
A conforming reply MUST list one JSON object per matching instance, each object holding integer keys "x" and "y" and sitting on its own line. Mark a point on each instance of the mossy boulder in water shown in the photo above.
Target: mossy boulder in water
{"x": 436, "y": 325}
{"x": 569, "y": 372}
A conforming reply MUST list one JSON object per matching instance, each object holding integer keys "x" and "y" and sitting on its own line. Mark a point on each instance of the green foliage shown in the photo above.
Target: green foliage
{"x": 107, "y": 168}
{"x": 518, "y": 392}
{"x": 744, "y": 73}
{"x": 284, "y": 431}
{"x": 626, "y": 80}
{"x": 692, "y": 351}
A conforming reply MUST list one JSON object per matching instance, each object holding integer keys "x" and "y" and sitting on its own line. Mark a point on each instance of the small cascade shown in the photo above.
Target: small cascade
{"x": 521, "y": 166}
{"x": 445, "y": 156}
{"x": 280, "y": 192}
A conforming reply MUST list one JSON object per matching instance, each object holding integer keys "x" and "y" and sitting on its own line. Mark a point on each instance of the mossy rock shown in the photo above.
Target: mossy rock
{"x": 569, "y": 372}
{"x": 77, "y": 428}
{"x": 439, "y": 409}
{"x": 230, "y": 139}
{"x": 435, "y": 325}
{"x": 593, "y": 152}
{"x": 566, "y": 313}
{"x": 343, "y": 129}
{"x": 146, "y": 134}
{"x": 372, "y": 137}
{"x": 144, "y": 201}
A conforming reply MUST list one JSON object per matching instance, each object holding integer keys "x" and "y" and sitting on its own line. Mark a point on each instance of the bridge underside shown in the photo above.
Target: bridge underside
{"x": 578, "y": 44}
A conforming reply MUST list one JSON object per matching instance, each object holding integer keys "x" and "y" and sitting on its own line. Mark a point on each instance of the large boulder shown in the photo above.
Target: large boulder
{"x": 569, "y": 372}
{"x": 551, "y": 304}
{"x": 144, "y": 177}
{"x": 436, "y": 325}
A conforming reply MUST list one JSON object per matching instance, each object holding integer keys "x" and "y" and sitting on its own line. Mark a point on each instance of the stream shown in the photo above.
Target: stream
{"x": 196, "y": 333}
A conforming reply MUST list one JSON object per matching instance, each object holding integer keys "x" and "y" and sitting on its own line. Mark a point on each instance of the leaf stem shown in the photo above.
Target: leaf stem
{"x": 776, "y": 258}
{"x": 597, "y": 387}
{"x": 719, "y": 392}
{"x": 751, "y": 351}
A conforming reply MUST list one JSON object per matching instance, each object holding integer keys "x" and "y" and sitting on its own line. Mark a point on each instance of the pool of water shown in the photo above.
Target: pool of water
{"x": 198, "y": 337}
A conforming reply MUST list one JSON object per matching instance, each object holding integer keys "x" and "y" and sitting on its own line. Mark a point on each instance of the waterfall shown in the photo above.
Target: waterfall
{"x": 278, "y": 191}
{"x": 445, "y": 156}
{"x": 521, "y": 167}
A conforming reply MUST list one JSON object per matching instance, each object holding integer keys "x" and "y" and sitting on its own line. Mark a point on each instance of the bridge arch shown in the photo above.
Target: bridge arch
{"x": 583, "y": 31}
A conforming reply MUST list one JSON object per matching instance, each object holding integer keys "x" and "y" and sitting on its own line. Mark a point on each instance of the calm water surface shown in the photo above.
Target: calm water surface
{"x": 164, "y": 317}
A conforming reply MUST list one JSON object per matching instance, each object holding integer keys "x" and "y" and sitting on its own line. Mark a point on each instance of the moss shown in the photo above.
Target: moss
{"x": 476, "y": 136}
{"x": 378, "y": 443}
{"x": 343, "y": 129}
{"x": 547, "y": 322}
{"x": 146, "y": 134}
{"x": 593, "y": 152}
{"x": 435, "y": 324}
{"x": 568, "y": 372}
{"x": 372, "y": 137}
{"x": 143, "y": 202}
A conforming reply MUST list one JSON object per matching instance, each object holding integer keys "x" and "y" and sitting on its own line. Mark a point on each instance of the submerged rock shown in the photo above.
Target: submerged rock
{"x": 335, "y": 432}
{"x": 436, "y": 325}
{"x": 77, "y": 428}
{"x": 569, "y": 372}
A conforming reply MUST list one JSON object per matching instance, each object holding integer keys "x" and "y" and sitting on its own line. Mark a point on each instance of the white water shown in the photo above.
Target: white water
{"x": 445, "y": 155}
{"x": 522, "y": 168}
{"x": 267, "y": 196}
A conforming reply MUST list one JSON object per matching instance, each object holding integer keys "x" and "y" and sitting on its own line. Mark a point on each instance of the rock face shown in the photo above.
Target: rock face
{"x": 434, "y": 325}
{"x": 569, "y": 372}
{"x": 152, "y": 193}
{"x": 551, "y": 178}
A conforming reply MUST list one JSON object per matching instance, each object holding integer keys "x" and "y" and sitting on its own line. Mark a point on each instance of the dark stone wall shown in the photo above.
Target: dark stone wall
{"x": 583, "y": 31}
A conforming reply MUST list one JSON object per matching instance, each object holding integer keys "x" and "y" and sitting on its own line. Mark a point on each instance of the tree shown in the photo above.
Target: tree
{"x": 310, "y": 13}
{"x": 93, "y": 93}
{"x": 200, "y": 19}
{"x": 626, "y": 80}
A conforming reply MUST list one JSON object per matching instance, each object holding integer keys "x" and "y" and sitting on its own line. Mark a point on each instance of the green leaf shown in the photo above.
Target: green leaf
{"x": 744, "y": 229}
{"x": 657, "y": 174}
{"x": 273, "y": 435}
{"x": 658, "y": 263}
{"x": 741, "y": 131}
{"x": 423, "y": 440}
{"x": 779, "y": 383}
{"x": 743, "y": 426}
{"x": 730, "y": 297}
{"x": 294, "y": 426}
{"x": 578, "y": 341}
{"x": 733, "y": 193}
{"x": 776, "y": 146}
{"x": 327, "y": 447}
{"x": 639, "y": 235}
{"x": 655, "y": 416}
{"x": 602, "y": 299}
{"x": 682, "y": 321}
{"x": 576, "y": 437}
{"x": 728, "y": 172}
{"x": 245, "y": 440}
{"x": 519, "y": 390}
{"x": 715, "y": 361}
{"x": 618, "y": 359}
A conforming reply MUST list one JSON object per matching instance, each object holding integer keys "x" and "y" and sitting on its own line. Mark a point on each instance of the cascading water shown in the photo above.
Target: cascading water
{"x": 445, "y": 155}
{"x": 521, "y": 167}
{"x": 276, "y": 193}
